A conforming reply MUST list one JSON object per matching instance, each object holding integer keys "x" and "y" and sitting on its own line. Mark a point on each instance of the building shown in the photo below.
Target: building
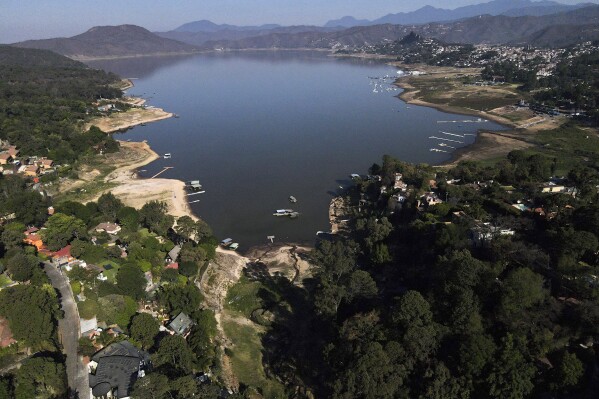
{"x": 181, "y": 325}
{"x": 173, "y": 254}
{"x": 45, "y": 163}
{"x": 63, "y": 257}
{"x": 114, "y": 369}
{"x": 110, "y": 228}
{"x": 5, "y": 158}
{"x": 35, "y": 240}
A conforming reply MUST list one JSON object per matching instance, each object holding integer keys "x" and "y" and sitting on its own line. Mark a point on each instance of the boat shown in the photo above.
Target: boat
{"x": 167, "y": 155}
{"x": 292, "y": 199}
{"x": 354, "y": 176}
{"x": 294, "y": 215}
{"x": 226, "y": 242}
{"x": 233, "y": 246}
{"x": 283, "y": 212}
{"x": 194, "y": 185}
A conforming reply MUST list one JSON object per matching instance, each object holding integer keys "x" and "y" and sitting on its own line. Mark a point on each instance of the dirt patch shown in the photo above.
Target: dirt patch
{"x": 123, "y": 120}
{"x": 489, "y": 145}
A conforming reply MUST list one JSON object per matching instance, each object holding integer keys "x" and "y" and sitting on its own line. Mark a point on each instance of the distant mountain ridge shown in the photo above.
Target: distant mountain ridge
{"x": 211, "y": 34}
{"x": 428, "y": 14}
{"x": 209, "y": 26}
{"x": 111, "y": 41}
{"x": 482, "y": 29}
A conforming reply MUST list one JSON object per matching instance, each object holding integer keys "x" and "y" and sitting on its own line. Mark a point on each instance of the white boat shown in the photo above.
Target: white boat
{"x": 283, "y": 212}
{"x": 233, "y": 246}
{"x": 167, "y": 155}
{"x": 292, "y": 199}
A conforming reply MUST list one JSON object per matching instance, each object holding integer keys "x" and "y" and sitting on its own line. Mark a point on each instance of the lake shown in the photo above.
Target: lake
{"x": 257, "y": 127}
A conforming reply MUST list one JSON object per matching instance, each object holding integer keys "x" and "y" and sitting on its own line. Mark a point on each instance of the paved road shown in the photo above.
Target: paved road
{"x": 68, "y": 327}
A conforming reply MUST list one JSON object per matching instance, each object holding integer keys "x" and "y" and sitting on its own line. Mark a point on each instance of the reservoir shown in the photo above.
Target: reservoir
{"x": 256, "y": 127}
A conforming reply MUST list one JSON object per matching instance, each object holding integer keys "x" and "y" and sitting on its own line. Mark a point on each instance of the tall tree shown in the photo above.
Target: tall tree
{"x": 144, "y": 329}
{"x": 40, "y": 377}
{"x": 61, "y": 229}
{"x": 511, "y": 374}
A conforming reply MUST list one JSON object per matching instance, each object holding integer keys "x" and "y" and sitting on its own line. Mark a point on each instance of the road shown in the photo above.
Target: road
{"x": 68, "y": 328}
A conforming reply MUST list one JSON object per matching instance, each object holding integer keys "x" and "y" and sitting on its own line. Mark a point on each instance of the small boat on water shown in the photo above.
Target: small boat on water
{"x": 294, "y": 215}
{"x": 194, "y": 185}
{"x": 292, "y": 199}
{"x": 233, "y": 246}
{"x": 283, "y": 212}
{"x": 226, "y": 242}
{"x": 167, "y": 155}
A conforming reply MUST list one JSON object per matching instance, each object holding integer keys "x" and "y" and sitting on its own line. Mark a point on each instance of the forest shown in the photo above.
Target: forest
{"x": 44, "y": 98}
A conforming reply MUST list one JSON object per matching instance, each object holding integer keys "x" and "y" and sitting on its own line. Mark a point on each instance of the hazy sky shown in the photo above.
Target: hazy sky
{"x": 35, "y": 19}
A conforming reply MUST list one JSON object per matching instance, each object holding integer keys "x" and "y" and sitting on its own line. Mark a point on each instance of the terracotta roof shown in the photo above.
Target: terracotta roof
{"x": 5, "y": 155}
{"x": 172, "y": 266}
{"x": 66, "y": 251}
{"x": 33, "y": 237}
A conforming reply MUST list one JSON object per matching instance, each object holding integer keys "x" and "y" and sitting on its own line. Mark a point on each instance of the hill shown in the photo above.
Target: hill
{"x": 499, "y": 29}
{"x": 35, "y": 58}
{"x": 201, "y": 37}
{"x": 111, "y": 41}
{"x": 209, "y": 26}
{"x": 428, "y": 14}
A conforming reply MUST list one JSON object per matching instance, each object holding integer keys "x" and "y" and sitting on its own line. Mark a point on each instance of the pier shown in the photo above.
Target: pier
{"x": 441, "y": 138}
{"x": 162, "y": 171}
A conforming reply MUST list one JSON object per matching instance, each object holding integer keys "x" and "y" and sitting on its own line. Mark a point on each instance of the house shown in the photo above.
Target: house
{"x": 88, "y": 326}
{"x": 29, "y": 170}
{"x": 173, "y": 265}
{"x": 12, "y": 150}
{"x": 45, "y": 163}
{"x": 399, "y": 184}
{"x": 431, "y": 199}
{"x": 63, "y": 257}
{"x": 114, "y": 369}
{"x": 110, "y": 228}
{"x": 35, "y": 240}
{"x": 5, "y": 158}
{"x": 482, "y": 233}
{"x": 181, "y": 325}
{"x": 173, "y": 254}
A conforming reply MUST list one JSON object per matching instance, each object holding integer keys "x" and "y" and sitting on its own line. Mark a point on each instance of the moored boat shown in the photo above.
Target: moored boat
{"x": 283, "y": 212}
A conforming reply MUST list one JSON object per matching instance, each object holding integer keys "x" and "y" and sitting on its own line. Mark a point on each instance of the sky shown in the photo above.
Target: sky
{"x": 40, "y": 19}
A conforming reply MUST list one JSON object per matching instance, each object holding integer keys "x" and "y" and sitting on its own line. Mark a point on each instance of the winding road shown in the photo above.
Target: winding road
{"x": 68, "y": 328}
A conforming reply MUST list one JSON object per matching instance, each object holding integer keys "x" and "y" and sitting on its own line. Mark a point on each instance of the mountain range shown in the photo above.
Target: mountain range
{"x": 559, "y": 29}
{"x": 427, "y": 14}
{"x": 500, "y": 29}
{"x": 111, "y": 41}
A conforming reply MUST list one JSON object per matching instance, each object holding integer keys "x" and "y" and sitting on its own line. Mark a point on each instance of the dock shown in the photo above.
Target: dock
{"x": 193, "y": 202}
{"x": 162, "y": 171}
{"x": 196, "y": 193}
{"x": 441, "y": 138}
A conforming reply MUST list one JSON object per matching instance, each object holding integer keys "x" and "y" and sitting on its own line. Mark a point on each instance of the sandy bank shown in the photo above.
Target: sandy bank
{"x": 134, "y": 191}
{"x": 130, "y": 118}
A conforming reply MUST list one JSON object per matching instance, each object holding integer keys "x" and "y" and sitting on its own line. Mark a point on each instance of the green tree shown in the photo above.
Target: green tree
{"x": 174, "y": 356}
{"x": 61, "y": 229}
{"x": 117, "y": 309}
{"x": 511, "y": 374}
{"x": 144, "y": 329}
{"x": 40, "y": 377}
{"x": 180, "y": 298}
{"x": 12, "y": 236}
{"x": 21, "y": 266}
{"x": 32, "y": 312}
{"x": 188, "y": 269}
{"x": 154, "y": 217}
{"x": 153, "y": 386}
{"x": 109, "y": 206}
{"x": 185, "y": 387}
{"x": 568, "y": 372}
{"x": 521, "y": 290}
{"x": 131, "y": 281}
{"x": 185, "y": 227}
{"x": 129, "y": 218}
